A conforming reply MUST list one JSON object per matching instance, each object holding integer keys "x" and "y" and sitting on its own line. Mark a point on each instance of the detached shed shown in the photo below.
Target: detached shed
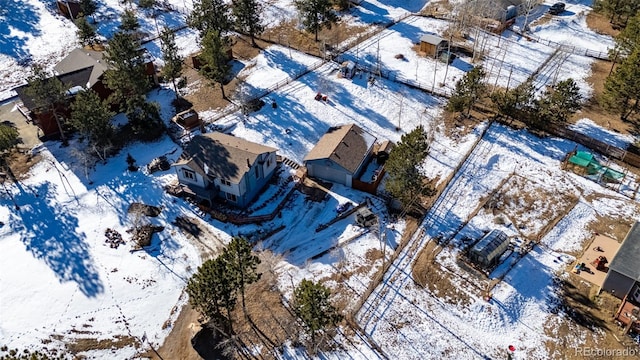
{"x": 432, "y": 45}
{"x": 488, "y": 250}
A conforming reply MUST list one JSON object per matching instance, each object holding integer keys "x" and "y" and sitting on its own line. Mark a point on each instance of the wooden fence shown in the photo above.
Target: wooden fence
{"x": 609, "y": 150}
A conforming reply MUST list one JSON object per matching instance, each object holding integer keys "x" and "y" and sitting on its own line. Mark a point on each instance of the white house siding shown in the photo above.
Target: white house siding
{"x": 232, "y": 189}
{"x": 199, "y": 180}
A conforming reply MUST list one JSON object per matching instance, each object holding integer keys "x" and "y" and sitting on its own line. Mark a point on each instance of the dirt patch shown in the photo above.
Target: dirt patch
{"x": 21, "y": 162}
{"x": 269, "y": 323}
{"x": 613, "y": 227}
{"x": 264, "y": 332}
{"x": 592, "y": 108}
{"x": 600, "y": 24}
{"x": 430, "y": 275}
{"x": 584, "y": 320}
{"x": 288, "y": 34}
{"x": 76, "y": 346}
{"x": 526, "y": 202}
{"x": 178, "y": 343}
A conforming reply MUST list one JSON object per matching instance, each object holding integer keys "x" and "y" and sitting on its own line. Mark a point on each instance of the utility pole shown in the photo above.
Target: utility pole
{"x": 435, "y": 69}
{"x": 509, "y": 79}
{"x": 400, "y": 111}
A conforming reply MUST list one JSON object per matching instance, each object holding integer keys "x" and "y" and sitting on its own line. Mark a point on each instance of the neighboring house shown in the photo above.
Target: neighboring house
{"x": 340, "y": 155}
{"x": 217, "y": 165}
{"x": 432, "y": 45}
{"x": 81, "y": 69}
{"x": 623, "y": 277}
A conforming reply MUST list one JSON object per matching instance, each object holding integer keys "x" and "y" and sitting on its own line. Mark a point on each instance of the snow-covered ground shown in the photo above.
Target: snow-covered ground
{"x": 61, "y": 282}
{"x": 522, "y": 302}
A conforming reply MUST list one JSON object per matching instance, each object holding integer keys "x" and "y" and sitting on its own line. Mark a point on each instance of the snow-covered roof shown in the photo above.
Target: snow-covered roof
{"x": 346, "y": 145}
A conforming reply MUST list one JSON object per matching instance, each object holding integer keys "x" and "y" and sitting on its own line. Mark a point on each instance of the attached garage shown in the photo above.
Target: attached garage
{"x": 340, "y": 155}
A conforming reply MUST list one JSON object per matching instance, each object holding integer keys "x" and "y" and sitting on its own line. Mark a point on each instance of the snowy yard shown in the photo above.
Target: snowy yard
{"x": 61, "y": 282}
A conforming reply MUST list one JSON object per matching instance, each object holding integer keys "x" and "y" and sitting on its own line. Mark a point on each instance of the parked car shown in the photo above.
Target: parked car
{"x": 556, "y": 9}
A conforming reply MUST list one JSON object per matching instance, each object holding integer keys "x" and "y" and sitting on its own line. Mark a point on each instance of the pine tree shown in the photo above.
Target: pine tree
{"x": 125, "y": 76}
{"x": 405, "y": 182}
{"x": 559, "y": 102}
{"x": 48, "y": 93}
{"x": 86, "y": 33}
{"x": 619, "y": 11}
{"x": 8, "y": 137}
{"x": 248, "y": 18}
{"x": 210, "y": 15}
{"x": 242, "y": 264}
{"x": 129, "y": 21}
{"x": 92, "y": 118}
{"x": 88, "y": 7}
{"x": 173, "y": 62}
{"x": 311, "y": 305}
{"x": 147, "y": 4}
{"x": 215, "y": 66}
{"x": 316, "y": 14}
{"x": 212, "y": 290}
{"x": 516, "y": 103}
{"x": 622, "y": 88}
{"x": 627, "y": 40}
{"x": 468, "y": 90}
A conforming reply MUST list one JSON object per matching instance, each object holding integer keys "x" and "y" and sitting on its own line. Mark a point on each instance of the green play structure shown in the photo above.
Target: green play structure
{"x": 586, "y": 160}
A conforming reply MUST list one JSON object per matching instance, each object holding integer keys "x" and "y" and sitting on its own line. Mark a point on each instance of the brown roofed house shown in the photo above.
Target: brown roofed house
{"x": 224, "y": 166}
{"x": 81, "y": 69}
{"x": 341, "y": 154}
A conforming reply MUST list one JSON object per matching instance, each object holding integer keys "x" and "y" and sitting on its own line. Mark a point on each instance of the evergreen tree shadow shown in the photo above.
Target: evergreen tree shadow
{"x": 17, "y": 17}
{"x": 51, "y": 234}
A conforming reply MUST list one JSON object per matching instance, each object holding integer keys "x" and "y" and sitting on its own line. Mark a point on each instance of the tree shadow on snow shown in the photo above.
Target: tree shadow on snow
{"x": 51, "y": 235}
{"x": 20, "y": 16}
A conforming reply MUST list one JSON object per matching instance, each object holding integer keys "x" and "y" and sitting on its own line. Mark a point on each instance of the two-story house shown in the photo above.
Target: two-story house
{"x": 217, "y": 165}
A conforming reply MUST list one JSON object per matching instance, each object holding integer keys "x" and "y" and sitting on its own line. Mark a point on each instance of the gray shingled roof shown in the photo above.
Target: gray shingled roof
{"x": 225, "y": 156}
{"x": 346, "y": 145}
{"x": 81, "y": 59}
{"x": 627, "y": 260}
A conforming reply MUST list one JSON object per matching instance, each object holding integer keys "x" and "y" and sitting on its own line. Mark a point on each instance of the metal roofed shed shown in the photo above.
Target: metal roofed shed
{"x": 432, "y": 45}
{"x": 488, "y": 250}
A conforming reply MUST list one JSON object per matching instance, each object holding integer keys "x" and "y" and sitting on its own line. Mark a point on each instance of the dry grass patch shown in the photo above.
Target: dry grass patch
{"x": 533, "y": 207}
{"x": 585, "y": 321}
{"x": 440, "y": 282}
{"x": 268, "y": 324}
{"x": 20, "y": 163}
{"x": 613, "y": 227}
{"x": 592, "y": 108}
{"x": 288, "y": 34}
{"x": 76, "y": 346}
{"x": 600, "y": 24}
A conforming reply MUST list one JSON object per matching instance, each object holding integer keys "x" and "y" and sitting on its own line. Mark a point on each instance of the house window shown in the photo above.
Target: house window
{"x": 636, "y": 294}
{"x": 231, "y": 197}
{"x": 269, "y": 161}
{"x": 257, "y": 173}
{"x": 225, "y": 182}
{"x": 188, "y": 174}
